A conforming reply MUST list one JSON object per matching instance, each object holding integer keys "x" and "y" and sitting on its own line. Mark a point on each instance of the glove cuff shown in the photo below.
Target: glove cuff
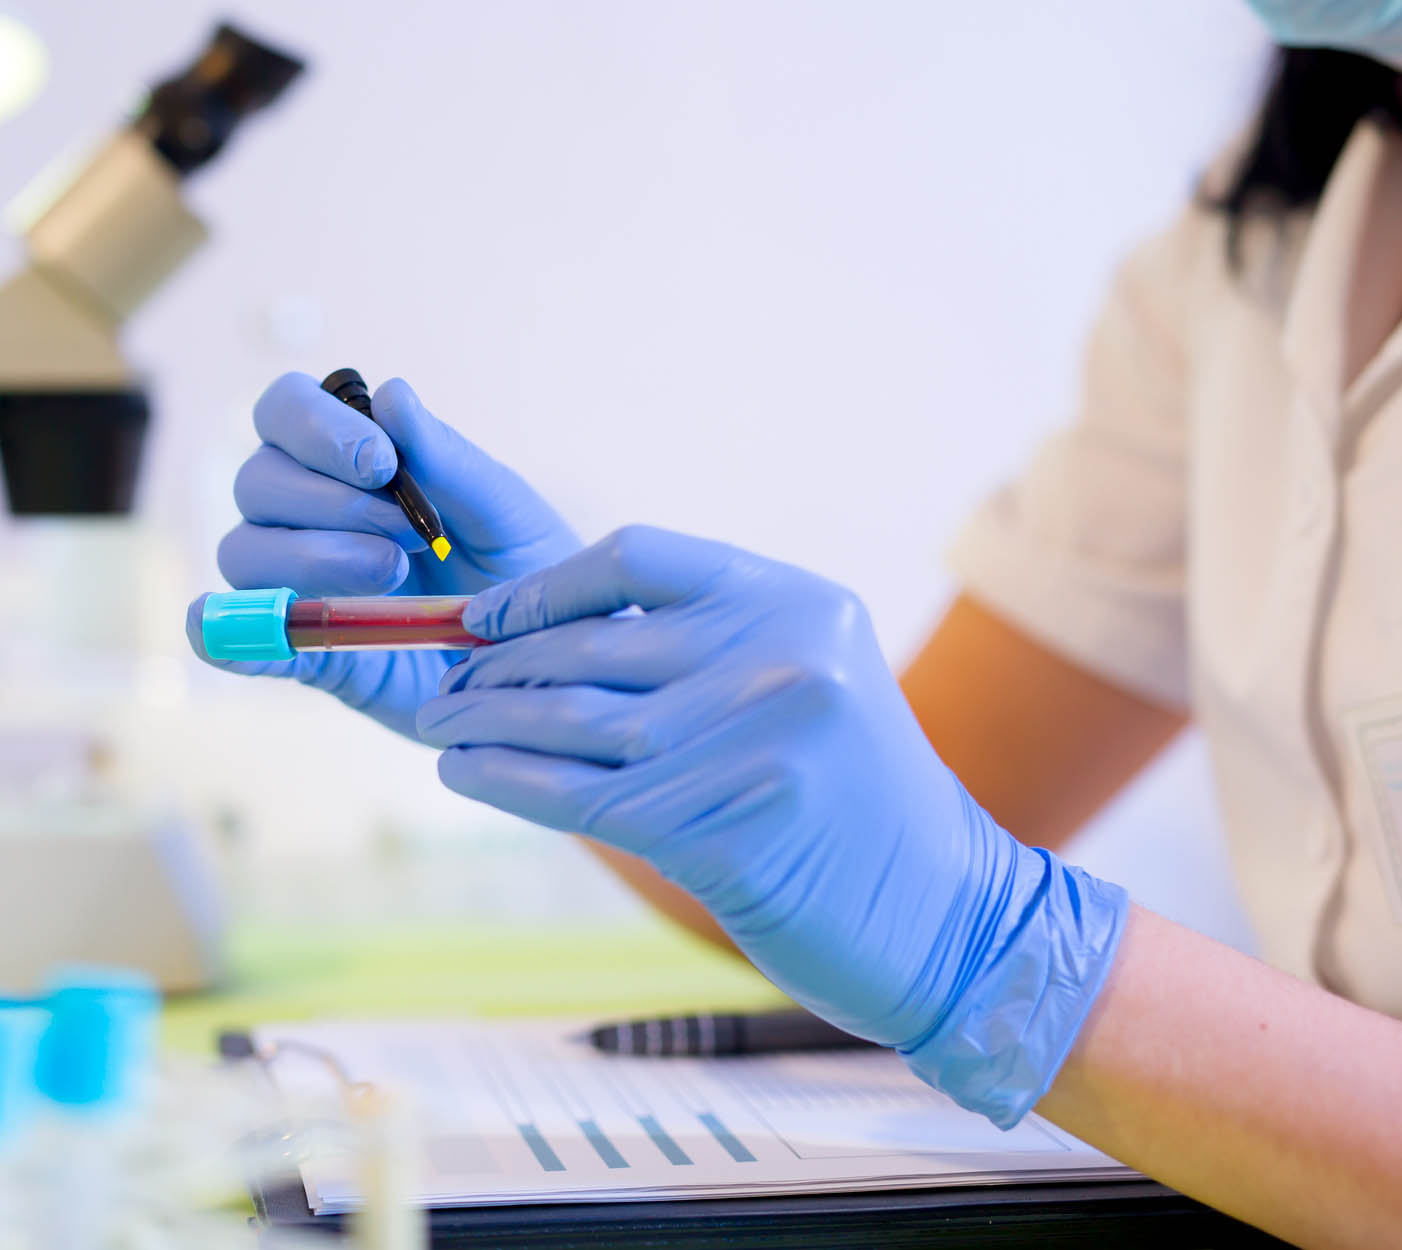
{"x": 1000, "y": 1045}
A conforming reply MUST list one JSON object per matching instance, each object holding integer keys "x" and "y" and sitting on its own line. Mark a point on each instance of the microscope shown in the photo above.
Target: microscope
{"x": 90, "y": 869}
{"x": 72, "y": 414}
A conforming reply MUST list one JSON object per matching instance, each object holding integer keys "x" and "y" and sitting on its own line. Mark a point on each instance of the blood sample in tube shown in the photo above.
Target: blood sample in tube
{"x": 383, "y": 623}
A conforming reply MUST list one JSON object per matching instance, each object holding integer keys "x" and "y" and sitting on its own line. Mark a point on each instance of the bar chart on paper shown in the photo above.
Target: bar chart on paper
{"x": 521, "y": 1113}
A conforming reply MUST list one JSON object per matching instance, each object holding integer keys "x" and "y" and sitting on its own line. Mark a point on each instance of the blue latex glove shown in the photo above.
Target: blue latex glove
{"x": 312, "y": 521}
{"x": 745, "y": 736}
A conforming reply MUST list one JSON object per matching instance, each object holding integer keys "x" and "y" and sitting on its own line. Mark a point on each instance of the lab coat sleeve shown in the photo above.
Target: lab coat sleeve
{"x": 1085, "y": 549}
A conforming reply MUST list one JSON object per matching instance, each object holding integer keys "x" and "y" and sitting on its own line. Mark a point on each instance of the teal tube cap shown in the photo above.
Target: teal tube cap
{"x": 100, "y": 1038}
{"x": 248, "y": 625}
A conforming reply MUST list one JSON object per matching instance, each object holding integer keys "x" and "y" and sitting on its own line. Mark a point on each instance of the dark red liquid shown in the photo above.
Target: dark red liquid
{"x": 380, "y": 624}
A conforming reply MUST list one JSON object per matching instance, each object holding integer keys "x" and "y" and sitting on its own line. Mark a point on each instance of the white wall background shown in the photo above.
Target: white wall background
{"x": 805, "y": 276}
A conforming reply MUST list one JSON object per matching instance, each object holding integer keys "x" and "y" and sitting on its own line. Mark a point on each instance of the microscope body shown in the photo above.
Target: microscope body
{"x": 101, "y": 859}
{"x": 72, "y": 416}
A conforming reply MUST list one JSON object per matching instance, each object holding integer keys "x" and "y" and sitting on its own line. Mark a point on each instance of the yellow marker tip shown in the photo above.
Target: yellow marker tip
{"x": 441, "y": 547}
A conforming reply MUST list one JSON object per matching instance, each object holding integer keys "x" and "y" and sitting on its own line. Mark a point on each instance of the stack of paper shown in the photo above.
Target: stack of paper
{"x": 519, "y": 1113}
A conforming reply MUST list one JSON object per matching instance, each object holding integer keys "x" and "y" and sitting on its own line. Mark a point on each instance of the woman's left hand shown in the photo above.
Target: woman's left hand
{"x": 744, "y": 734}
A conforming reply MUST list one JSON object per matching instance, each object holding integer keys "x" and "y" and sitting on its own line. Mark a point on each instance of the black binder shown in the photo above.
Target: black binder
{"x": 1109, "y": 1215}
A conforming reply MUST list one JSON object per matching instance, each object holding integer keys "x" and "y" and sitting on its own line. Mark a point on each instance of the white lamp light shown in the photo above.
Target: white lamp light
{"x": 24, "y": 66}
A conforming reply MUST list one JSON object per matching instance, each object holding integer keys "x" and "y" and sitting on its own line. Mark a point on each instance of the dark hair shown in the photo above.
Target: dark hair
{"x": 1314, "y": 99}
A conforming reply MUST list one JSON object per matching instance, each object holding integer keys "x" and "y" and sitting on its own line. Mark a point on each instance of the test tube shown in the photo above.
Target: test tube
{"x": 275, "y": 624}
{"x": 380, "y": 623}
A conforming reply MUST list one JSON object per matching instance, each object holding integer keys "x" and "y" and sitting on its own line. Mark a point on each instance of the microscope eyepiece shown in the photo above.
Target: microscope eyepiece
{"x": 189, "y": 117}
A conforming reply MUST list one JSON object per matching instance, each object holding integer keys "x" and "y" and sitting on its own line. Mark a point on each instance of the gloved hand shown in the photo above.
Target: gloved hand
{"x": 744, "y": 735}
{"x": 311, "y": 522}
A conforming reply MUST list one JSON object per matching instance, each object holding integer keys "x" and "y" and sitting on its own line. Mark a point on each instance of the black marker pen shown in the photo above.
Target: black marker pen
{"x": 349, "y": 387}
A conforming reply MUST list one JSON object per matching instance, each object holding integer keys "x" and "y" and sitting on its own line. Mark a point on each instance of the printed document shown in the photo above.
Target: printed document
{"x": 527, "y": 1113}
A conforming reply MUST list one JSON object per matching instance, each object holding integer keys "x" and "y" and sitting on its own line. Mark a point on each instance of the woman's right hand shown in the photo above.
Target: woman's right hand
{"x": 315, "y": 520}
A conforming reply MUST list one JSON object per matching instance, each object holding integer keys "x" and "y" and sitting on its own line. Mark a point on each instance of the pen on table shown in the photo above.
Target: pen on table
{"x": 349, "y": 387}
{"x": 722, "y": 1034}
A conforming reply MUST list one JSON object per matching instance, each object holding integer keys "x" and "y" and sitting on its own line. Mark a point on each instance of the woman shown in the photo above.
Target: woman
{"x": 1211, "y": 540}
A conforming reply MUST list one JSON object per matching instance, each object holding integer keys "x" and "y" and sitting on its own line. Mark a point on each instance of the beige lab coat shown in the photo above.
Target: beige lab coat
{"x": 1220, "y": 528}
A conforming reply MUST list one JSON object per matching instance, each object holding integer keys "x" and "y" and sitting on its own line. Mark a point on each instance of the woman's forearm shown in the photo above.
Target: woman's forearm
{"x": 671, "y": 900}
{"x": 1240, "y": 1086}
{"x": 1041, "y": 742}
